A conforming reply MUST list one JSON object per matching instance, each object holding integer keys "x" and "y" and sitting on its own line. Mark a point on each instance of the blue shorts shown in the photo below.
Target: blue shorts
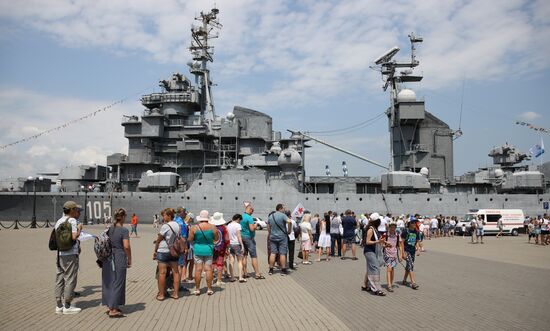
{"x": 279, "y": 246}
{"x": 182, "y": 261}
{"x": 236, "y": 250}
{"x": 480, "y": 232}
{"x": 349, "y": 240}
{"x": 250, "y": 247}
{"x": 166, "y": 258}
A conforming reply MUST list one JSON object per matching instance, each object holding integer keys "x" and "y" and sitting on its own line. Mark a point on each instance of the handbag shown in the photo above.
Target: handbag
{"x": 179, "y": 246}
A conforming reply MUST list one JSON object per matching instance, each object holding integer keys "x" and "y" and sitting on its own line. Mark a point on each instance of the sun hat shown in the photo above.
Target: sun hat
{"x": 217, "y": 219}
{"x": 374, "y": 216}
{"x": 203, "y": 216}
{"x": 71, "y": 205}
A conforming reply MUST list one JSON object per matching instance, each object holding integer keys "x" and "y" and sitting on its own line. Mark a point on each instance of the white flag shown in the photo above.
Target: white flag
{"x": 298, "y": 211}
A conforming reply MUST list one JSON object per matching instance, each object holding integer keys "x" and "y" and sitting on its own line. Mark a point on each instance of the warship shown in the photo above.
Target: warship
{"x": 181, "y": 153}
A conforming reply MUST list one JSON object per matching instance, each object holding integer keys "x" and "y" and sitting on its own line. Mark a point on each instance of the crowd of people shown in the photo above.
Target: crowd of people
{"x": 538, "y": 229}
{"x": 189, "y": 248}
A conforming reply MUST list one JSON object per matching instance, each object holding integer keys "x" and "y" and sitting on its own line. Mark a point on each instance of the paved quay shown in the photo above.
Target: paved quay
{"x": 502, "y": 285}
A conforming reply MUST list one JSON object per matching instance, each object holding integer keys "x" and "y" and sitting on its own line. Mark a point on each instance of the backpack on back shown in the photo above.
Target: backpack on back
{"x": 64, "y": 236}
{"x": 103, "y": 247}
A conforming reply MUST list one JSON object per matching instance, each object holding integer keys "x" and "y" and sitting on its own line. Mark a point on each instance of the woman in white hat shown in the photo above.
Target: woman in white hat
{"x": 203, "y": 235}
{"x": 221, "y": 245}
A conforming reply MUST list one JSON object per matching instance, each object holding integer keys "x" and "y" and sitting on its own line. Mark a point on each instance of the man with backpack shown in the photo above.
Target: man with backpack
{"x": 67, "y": 231}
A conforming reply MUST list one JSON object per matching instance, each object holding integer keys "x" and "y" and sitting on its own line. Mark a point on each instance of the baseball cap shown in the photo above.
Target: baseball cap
{"x": 71, "y": 205}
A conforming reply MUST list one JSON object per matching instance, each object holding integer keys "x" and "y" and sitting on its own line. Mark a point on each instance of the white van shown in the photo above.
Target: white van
{"x": 512, "y": 220}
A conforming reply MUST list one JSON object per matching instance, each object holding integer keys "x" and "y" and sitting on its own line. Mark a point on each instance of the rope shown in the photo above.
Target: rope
{"x": 25, "y": 227}
{"x": 7, "y": 227}
{"x": 348, "y": 129}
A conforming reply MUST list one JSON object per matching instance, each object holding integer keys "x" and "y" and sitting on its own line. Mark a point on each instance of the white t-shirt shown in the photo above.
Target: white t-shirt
{"x": 452, "y": 222}
{"x": 434, "y": 223}
{"x": 291, "y": 235}
{"x": 400, "y": 223}
{"x": 304, "y": 228}
{"x": 421, "y": 227}
{"x": 74, "y": 228}
{"x": 382, "y": 226}
{"x": 233, "y": 230}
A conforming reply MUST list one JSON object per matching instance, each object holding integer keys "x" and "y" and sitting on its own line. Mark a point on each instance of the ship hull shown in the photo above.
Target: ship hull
{"x": 19, "y": 206}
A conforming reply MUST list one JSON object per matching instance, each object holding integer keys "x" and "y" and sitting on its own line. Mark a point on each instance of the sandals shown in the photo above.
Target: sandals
{"x": 414, "y": 286}
{"x": 160, "y": 297}
{"x": 197, "y": 292}
{"x": 354, "y": 258}
{"x": 366, "y": 289}
{"x": 209, "y": 292}
{"x": 259, "y": 277}
{"x": 390, "y": 289}
{"x": 380, "y": 293}
{"x": 175, "y": 297}
{"x": 242, "y": 280}
{"x": 232, "y": 280}
{"x": 117, "y": 315}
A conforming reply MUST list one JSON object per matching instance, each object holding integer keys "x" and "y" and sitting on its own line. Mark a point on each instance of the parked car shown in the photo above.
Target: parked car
{"x": 260, "y": 224}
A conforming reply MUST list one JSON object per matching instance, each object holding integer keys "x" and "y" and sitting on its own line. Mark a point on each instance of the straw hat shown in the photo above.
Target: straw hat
{"x": 203, "y": 216}
{"x": 217, "y": 219}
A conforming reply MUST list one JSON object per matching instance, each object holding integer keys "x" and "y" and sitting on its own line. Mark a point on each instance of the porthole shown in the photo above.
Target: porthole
{"x": 428, "y": 199}
{"x": 456, "y": 199}
{"x": 540, "y": 200}
{"x": 204, "y": 198}
{"x": 475, "y": 199}
{"x": 188, "y": 198}
{"x": 506, "y": 199}
{"x": 360, "y": 199}
{"x": 347, "y": 199}
{"x": 307, "y": 198}
{"x": 270, "y": 198}
{"x": 317, "y": 199}
{"x": 221, "y": 198}
{"x": 336, "y": 199}
{"x": 182, "y": 197}
{"x": 253, "y": 198}
{"x": 490, "y": 199}
{"x": 139, "y": 197}
{"x": 236, "y": 198}
{"x": 221, "y": 183}
{"x": 238, "y": 184}
{"x": 123, "y": 197}
{"x": 59, "y": 197}
{"x": 440, "y": 199}
{"x": 169, "y": 197}
{"x": 200, "y": 183}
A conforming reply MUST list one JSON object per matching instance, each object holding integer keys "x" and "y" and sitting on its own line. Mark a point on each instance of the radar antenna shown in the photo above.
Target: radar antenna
{"x": 202, "y": 54}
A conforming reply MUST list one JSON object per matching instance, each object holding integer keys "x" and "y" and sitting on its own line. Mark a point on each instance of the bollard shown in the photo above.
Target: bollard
{"x": 16, "y": 227}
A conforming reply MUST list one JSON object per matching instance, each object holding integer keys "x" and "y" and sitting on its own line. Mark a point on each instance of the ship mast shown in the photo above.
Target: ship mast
{"x": 203, "y": 53}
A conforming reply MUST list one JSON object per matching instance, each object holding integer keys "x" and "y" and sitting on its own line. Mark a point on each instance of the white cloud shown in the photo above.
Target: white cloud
{"x": 86, "y": 142}
{"x": 313, "y": 50}
{"x": 529, "y": 116}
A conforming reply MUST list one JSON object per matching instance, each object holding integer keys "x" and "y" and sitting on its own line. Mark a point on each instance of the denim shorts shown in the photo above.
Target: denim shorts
{"x": 480, "y": 232}
{"x": 207, "y": 260}
{"x": 182, "y": 261}
{"x": 279, "y": 246}
{"x": 236, "y": 250}
{"x": 166, "y": 258}
{"x": 349, "y": 240}
{"x": 250, "y": 247}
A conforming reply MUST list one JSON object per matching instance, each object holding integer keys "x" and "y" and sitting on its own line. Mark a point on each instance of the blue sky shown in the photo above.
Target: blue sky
{"x": 306, "y": 65}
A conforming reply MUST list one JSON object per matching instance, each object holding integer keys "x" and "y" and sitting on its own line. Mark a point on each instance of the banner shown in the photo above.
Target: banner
{"x": 538, "y": 149}
{"x": 298, "y": 211}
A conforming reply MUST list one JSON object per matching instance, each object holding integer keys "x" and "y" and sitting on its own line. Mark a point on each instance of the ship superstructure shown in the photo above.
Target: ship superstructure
{"x": 181, "y": 152}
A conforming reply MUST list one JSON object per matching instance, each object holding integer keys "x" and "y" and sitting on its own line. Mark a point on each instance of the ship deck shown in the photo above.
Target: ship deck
{"x": 500, "y": 285}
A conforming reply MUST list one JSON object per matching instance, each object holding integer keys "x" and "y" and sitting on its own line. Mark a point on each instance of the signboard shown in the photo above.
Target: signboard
{"x": 545, "y": 205}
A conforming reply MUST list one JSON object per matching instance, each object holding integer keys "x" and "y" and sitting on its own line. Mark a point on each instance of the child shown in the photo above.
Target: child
{"x": 409, "y": 248}
{"x": 463, "y": 230}
{"x": 390, "y": 254}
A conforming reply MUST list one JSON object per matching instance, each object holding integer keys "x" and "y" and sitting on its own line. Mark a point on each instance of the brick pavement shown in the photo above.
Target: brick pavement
{"x": 499, "y": 290}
